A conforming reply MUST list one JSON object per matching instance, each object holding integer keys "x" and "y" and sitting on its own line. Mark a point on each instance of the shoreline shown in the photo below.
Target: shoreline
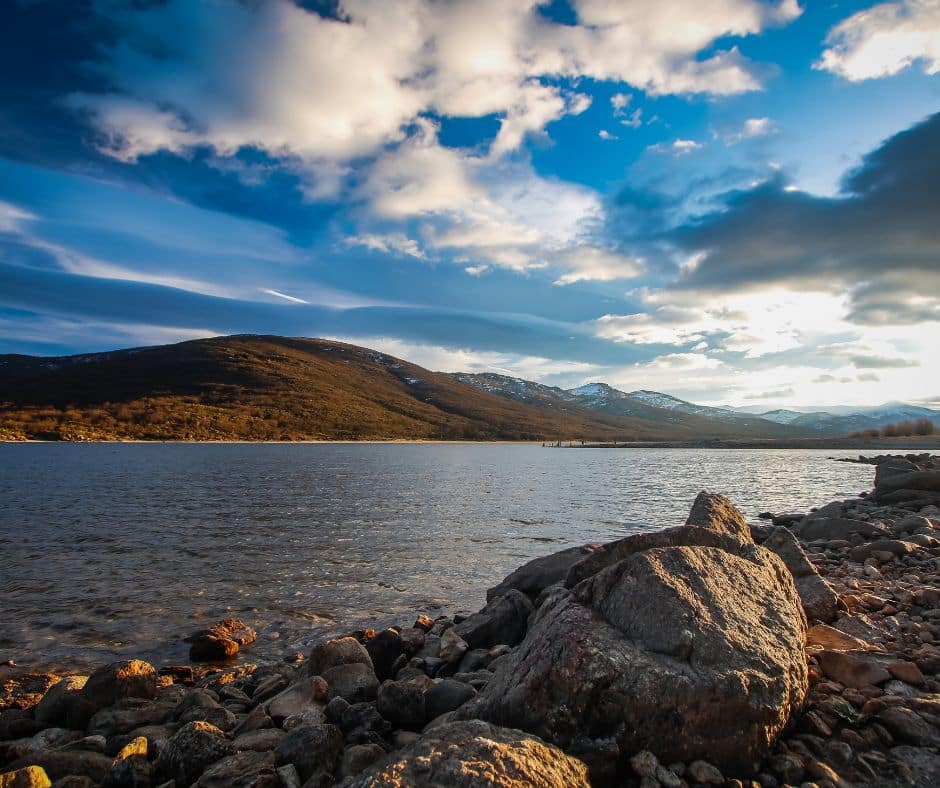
{"x": 897, "y": 445}
{"x": 860, "y": 674}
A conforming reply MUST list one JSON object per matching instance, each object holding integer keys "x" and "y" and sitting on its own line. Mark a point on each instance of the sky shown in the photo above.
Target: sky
{"x": 734, "y": 202}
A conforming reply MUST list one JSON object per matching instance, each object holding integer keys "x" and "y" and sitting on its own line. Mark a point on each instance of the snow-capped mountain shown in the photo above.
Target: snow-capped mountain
{"x": 658, "y": 407}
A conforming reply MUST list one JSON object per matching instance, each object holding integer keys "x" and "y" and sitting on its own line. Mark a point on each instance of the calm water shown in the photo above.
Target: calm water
{"x": 114, "y": 550}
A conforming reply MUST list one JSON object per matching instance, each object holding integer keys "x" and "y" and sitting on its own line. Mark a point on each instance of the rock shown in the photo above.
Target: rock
{"x": 683, "y": 536}
{"x": 453, "y": 647}
{"x": 644, "y": 763}
{"x": 704, "y": 773}
{"x": 132, "y": 678}
{"x": 475, "y": 754}
{"x": 353, "y": 681}
{"x": 716, "y": 633}
{"x": 136, "y": 746}
{"x": 908, "y": 726}
{"x": 221, "y": 641}
{"x": 923, "y": 765}
{"x": 446, "y": 695}
{"x": 207, "y": 647}
{"x": 288, "y": 776}
{"x": 717, "y": 513}
{"x": 191, "y": 750}
{"x": 54, "y": 706}
{"x": 133, "y": 771}
{"x": 907, "y": 672}
{"x": 819, "y": 600}
{"x": 412, "y": 640}
{"x": 333, "y": 653}
{"x": 259, "y": 740}
{"x": 220, "y": 717}
{"x": 853, "y": 668}
{"x": 242, "y": 770}
{"x": 312, "y": 749}
{"x": 828, "y": 528}
{"x": 503, "y": 620}
{"x": 297, "y": 698}
{"x": 912, "y": 480}
{"x": 27, "y": 777}
{"x": 424, "y": 622}
{"x": 384, "y": 651}
{"x": 126, "y": 715}
{"x": 360, "y": 757}
{"x": 540, "y": 573}
{"x": 891, "y": 546}
{"x": 402, "y": 704}
{"x": 832, "y": 639}
{"x": 58, "y": 764}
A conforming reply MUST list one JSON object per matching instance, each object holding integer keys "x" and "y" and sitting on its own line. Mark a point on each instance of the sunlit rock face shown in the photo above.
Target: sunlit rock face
{"x": 690, "y": 646}
{"x": 475, "y": 754}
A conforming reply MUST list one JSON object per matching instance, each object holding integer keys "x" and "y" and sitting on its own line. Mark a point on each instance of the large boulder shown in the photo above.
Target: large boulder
{"x": 717, "y": 513}
{"x": 333, "y": 653}
{"x": 475, "y": 754}
{"x": 131, "y": 678}
{"x": 54, "y": 707}
{"x": 312, "y": 749}
{"x": 820, "y": 601}
{"x": 502, "y": 621}
{"x": 540, "y": 573}
{"x": 692, "y": 652}
{"x": 683, "y": 535}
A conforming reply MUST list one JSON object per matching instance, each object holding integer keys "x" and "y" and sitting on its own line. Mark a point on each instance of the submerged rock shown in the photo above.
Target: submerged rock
{"x": 475, "y": 754}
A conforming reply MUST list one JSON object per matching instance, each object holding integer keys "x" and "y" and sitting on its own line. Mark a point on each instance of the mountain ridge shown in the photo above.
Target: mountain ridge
{"x": 251, "y": 387}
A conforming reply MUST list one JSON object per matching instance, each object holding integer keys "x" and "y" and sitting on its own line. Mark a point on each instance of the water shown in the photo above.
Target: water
{"x": 115, "y": 550}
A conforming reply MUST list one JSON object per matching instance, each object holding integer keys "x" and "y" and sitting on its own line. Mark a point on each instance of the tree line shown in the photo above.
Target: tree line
{"x": 901, "y": 429}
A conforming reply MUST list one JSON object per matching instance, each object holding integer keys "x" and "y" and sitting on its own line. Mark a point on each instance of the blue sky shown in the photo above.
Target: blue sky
{"x": 731, "y": 201}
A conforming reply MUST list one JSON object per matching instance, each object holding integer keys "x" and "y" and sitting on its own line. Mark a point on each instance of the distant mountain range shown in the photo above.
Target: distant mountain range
{"x": 277, "y": 388}
{"x": 651, "y": 404}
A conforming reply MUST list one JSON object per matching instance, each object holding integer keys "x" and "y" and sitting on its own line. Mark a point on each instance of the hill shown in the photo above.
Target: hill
{"x": 276, "y": 388}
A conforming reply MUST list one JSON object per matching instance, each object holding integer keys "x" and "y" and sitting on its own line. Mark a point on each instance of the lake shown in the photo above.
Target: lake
{"x": 116, "y": 550}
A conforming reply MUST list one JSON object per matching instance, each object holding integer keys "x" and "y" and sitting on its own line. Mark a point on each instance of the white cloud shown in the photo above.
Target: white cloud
{"x": 752, "y": 127}
{"x": 676, "y": 148}
{"x": 606, "y": 135}
{"x": 884, "y": 40}
{"x": 316, "y": 90}
{"x": 445, "y": 359}
{"x": 12, "y": 218}
{"x": 590, "y": 263}
{"x": 620, "y": 101}
{"x": 395, "y": 242}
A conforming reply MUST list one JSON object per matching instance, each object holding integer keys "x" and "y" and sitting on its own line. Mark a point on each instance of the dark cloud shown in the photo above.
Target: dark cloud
{"x": 879, "y": 240}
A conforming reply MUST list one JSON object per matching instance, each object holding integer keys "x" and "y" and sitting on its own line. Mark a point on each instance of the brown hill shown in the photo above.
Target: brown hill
{"x": 276, "y": 388}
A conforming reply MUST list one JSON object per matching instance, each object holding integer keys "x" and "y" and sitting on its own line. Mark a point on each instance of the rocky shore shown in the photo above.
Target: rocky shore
{"x": 800, "y": 651}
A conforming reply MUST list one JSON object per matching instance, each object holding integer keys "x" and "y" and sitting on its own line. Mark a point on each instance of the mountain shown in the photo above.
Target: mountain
{"x": 684, "y": 418}
{"x": 274, "y": 388}
{"x": 842, "y": 420}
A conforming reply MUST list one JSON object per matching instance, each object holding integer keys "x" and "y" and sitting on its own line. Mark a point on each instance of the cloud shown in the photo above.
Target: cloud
{"x": 751, "y": 128}
{"x": 783, "y": 393}
{"x": 391, "y": 243}
{"x": 676, "y": 148}
{"x": 323, "y": 90}
{"x": 620, "y": 101}
{"x": 881, "y": 362}
{"x": 877, "y": 241}
{"x": 606, "y": 135}
{"x": 884, "y": 40}
{"x": 592, "y": 263}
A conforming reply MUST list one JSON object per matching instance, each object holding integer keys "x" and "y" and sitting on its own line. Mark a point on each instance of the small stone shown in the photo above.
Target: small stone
{"x": 704, "y": 772}
{"x": 191, "y": 749}
{"x": 311, "y": 749}
{"x": 288, "y": 776}
{"x": 667, "y": 778}
{"x": 453, "y": 647}
{"x": 644, "y": 763}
